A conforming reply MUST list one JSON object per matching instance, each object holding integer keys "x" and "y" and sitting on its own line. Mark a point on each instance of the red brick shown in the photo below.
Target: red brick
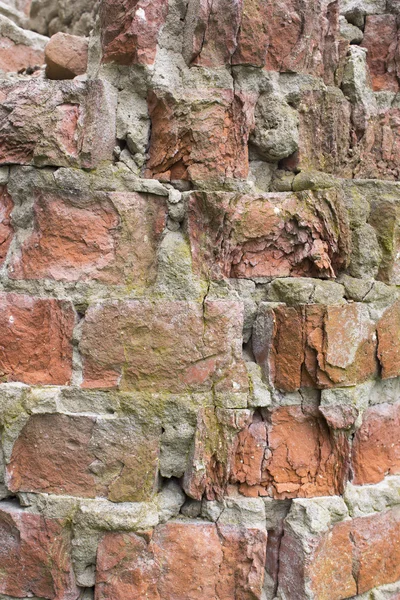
{"x": 180, "y": 561}
{"x": 331, "y": 572}
{"x": 209, "y": 464}
{"x": 35, "y": 556}
{"x": 110, "y": 238}
{"x": 6, "y": 228}
{"x": 165, "y": 345}
{"x": 129, "y": 30}
{"x": 291, "y": 36}
{"x": 379, "y": 150}
{"x": 377, "y": 549}
{"x": 302, "y": 37}
{"x": 382, "y": 40}
{"x": 36, "y": 344}
{"x": 325, "y": 569}
{"x": 254, "y": 25}
{"x": 201, "y": 134}
{"x": 388, "y": 330}
{"x": 268, "y": 235}
{"x": 324, "y": 133}
{"x": 66, "y": 56}
{"x": 351, "y": 558}
{"x": 67, "y": 123}
{"x": 315, "y": 345}
{"x": 376, "y": 447}
{"x": 85, "y": 456}
{"x": 211, "y": 32}
{"x": 291, "y": 455}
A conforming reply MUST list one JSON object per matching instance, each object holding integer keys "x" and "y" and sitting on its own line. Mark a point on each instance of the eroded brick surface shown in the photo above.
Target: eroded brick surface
{"x": 199, "y": 134}
{"x": 182, "y": 560}
{"x": 291, "y": 455}
{"x": 199, "y": 254}
{"x": 36, "y": 345}
{"x": 112, "y": 238}
{"x": 56, "y": 123}
{"x": 129, "y": 30}
{"x": 86, "y": 457}
{"x": 315, "y": 345}
{"x": 35, "y": 556}
{"x": 381, "y": 39}
{"x": 270, "y": 235}
{"x": 165, "y": 345}
{"x": 376, "y": 451}
{"x": 353, "y": 557}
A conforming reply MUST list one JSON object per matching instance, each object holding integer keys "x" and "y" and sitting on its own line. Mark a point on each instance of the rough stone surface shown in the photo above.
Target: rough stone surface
{"x": 369, "y": 543}
{"x": 199, "y": 263}
{"x": 388, "y": 342}
{"x": 51, "y": 16}
{"x": 315, "y": 345}
{"x": 6, "y": 228}
{"x": 19, "y": 48}
{"x": 381, "y": 39}
{"x": 291, "y": 455}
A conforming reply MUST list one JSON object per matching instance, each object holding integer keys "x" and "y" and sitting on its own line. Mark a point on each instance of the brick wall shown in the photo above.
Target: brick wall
{"x": 199, "y": 311}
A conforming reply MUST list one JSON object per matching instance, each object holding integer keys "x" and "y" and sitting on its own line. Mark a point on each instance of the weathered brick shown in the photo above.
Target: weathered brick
{"x": 290, "y": 455}
{"x": 57, "y": 123}
{"x": 164, "y": 345}
{"x": 129, "y": 30}
{"x": 255, "y": 24}
{"x": 66, "y": 56}
{"x": 376, "y": 542}
{"x": 6, "y": 228}
{"x": 324, "y": 132}
{"x": 35, "y": 556}
{"x": 115, "y": 458}
{"x": 388, "y": 330}
{"x": 376, "y": 448}
{"x": 324, "y": 571}
{"x": 303, "y": 37}
{"x": 385, "y": 218}
{"x": 15, "y": 56}
{"x": 209, "y": 465}
{"x": 182, "y": 560}
{"x": 211, "y": 31}
{"x": 295, "y": 37}
{"x": 199, "y": 134}
{"x": 268, "y": 235}
{"x": 382, "y": 40}
{"x": 315, "y": 345}
{"x": 110, "y": 238}
{"x": 36, "y": 344}
{"x": 351, "y": 558}
{"x": 379, "y": 150}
